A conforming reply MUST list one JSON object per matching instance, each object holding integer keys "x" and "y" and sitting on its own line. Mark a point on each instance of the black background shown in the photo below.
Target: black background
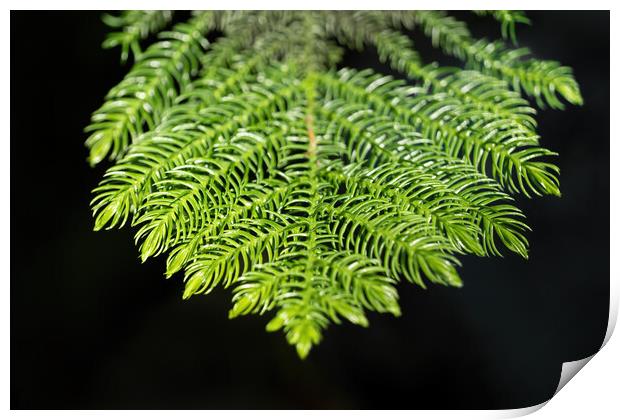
{"x": 91, "y": 327}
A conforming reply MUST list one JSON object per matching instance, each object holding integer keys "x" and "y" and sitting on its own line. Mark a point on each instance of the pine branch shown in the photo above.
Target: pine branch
{"x": 148, "y": 89}
{"x": 508, "y": 19}
{"x": 126, "y": 184}
{"x": 545, "y": 81}
{"x": 510, "y": 149}
{"x": 486, "y": 93}
{"x": 136, "y": 26}
{"x": 311, "y": 192}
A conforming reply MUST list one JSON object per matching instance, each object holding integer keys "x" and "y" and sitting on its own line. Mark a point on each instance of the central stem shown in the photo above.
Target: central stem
{"x": 312, "y": 142}
{"x": 310, "y": 91}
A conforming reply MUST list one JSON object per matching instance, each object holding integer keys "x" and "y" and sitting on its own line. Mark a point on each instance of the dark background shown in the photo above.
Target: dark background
{"x": 93, "y": 328}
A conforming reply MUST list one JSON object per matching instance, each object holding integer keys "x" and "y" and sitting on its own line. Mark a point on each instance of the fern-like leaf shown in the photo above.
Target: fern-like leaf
{"x": 508, "y": 20}
{"x": 148, "y": 89}
{"x": 135, "y": 26}
{"x": 546, "y": 81}
{"x": 310, "y": 191}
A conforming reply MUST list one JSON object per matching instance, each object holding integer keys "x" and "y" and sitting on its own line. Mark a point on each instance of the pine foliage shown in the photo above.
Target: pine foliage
{"x": 256, "y": 164}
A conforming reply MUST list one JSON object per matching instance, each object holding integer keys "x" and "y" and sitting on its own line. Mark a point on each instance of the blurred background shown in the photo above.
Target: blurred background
{"x": 93, "y": 328}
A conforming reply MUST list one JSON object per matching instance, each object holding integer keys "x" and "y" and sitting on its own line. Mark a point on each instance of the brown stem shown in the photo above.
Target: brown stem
{"x": 312, "y": 141}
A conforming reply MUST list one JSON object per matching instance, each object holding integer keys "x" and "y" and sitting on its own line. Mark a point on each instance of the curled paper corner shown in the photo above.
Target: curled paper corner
{"x": 570, "y": 369}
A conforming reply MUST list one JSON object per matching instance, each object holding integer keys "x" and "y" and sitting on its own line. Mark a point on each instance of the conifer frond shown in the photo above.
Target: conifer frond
{"x": 546, "y": 81}
{"x": 135, "y": 26}
{"x": 508, "y": 19}
{"x": 396, "y": 49}
{"x": 149, "y": 88}
{"x": 255, "y": 164}
{"x": 483, "y": 139}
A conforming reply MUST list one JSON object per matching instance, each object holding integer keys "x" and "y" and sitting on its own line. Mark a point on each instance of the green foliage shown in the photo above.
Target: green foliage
{"x": 509, "y": 20}
{"x": 135, "y": 25}
{"x": 256, "y": 165}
